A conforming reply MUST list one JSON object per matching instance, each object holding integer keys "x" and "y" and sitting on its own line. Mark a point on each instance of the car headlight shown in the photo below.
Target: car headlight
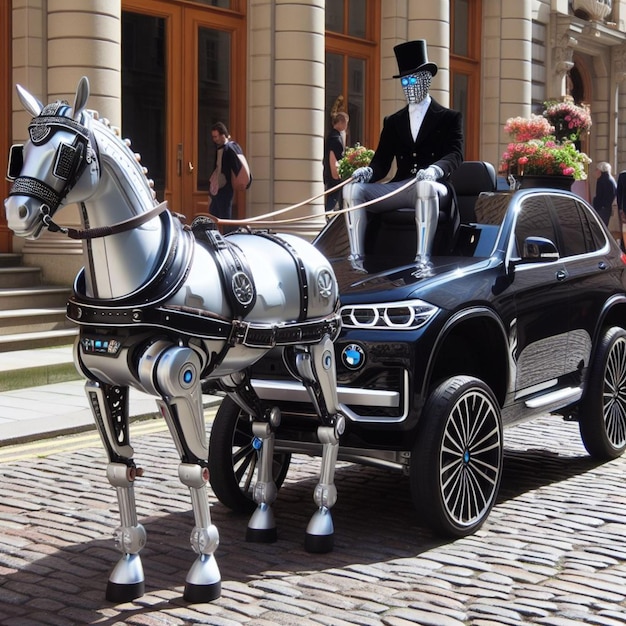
{"x": 407, "y": 315}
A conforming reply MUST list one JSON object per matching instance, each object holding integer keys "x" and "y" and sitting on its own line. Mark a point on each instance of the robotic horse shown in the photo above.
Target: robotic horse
{"x": 162, "y": 307}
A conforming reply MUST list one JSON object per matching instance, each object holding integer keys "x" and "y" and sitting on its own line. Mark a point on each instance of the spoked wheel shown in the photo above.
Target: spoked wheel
{"x": 602, "y": 413}
{"x": 456, "y": 463}
{"x": 233, "y": 459}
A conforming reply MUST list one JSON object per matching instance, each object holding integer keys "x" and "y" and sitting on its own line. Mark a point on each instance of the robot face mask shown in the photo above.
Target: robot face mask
{"x": 416, "y": 86}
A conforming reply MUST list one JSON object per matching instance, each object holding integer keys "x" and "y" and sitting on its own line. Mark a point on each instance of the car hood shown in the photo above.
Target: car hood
{"x": 446, "y": 279}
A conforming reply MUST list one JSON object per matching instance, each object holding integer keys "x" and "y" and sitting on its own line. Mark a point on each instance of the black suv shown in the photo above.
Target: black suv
{"x": 525, "y": 318}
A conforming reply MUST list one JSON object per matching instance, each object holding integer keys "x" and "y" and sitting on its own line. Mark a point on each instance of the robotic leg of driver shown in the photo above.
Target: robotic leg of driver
{"x": 424, "y": 195}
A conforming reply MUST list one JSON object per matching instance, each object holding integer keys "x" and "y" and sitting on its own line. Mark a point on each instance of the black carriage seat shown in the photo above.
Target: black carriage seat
{"x": 392, "y": 233}
{"x": 469, "y": 180}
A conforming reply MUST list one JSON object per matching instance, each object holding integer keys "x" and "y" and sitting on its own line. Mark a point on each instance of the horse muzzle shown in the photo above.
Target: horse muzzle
{"x": 24, "y": 216}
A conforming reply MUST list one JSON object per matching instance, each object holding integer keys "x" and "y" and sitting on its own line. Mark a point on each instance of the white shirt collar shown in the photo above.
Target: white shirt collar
{"x": 417, "y": 111}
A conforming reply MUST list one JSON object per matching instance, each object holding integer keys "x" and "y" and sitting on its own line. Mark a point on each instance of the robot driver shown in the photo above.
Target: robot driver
{"x": 426, "y": 140}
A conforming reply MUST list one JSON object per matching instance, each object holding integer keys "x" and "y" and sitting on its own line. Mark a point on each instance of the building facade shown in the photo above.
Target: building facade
{"x": 165, "y": 70}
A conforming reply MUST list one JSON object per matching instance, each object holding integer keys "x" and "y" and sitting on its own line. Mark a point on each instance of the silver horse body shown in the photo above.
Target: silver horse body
{"x": 162, "y": 307}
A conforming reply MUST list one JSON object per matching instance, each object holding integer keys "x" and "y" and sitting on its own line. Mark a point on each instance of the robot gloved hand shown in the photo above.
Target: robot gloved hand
{"x": 433, "y": 172}
{"x": 362, "y": 174}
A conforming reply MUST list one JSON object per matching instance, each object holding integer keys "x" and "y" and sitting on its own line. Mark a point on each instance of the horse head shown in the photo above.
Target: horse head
{"x": 56, "y": 166}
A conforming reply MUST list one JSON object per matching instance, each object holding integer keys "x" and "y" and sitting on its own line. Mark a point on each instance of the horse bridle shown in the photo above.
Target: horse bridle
{"x": 70, "y": 163}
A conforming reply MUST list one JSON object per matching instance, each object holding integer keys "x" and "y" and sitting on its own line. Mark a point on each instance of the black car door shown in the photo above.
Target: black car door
{"x": 593, "y": 274}
{"x": 539, "y": 332}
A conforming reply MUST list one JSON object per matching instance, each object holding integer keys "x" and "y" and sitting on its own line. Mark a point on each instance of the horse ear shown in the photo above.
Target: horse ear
{"x": 82, "y": 93}
{"x": 29, "y": 102}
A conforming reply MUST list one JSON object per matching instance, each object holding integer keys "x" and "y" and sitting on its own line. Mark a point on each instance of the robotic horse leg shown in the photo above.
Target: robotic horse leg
{"x": 173, "y": 373}
{"x": 315, "y": 366}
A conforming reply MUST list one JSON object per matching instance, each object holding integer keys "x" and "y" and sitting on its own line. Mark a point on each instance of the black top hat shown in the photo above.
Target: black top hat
{"x": 412, "y": 58}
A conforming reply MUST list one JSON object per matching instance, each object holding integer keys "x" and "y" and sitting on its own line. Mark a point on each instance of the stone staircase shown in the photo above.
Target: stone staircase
{"x": 32, "y": 315}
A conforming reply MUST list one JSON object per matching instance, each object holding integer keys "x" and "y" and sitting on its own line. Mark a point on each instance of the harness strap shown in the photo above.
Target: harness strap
{"x": 204, "y": 324}
{"x": 232, "y": 265}
{"x": 120, "y": 227}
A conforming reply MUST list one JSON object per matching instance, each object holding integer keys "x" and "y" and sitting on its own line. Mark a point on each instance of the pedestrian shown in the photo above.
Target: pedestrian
{"x": 230, "y": 172}
{"x": 334, "y": 147}
{"x": 425, "y": 138}
{"x": 606, "y": 190}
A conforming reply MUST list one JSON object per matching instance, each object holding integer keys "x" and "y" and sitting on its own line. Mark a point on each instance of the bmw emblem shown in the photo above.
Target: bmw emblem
{"x": 353, "y": 356}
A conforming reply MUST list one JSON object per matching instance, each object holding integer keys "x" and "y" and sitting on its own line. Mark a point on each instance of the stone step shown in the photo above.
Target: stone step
{"x": 10, "y": 259}
{"x": 34, "y": 297}
{"x": 37, "y": 339}
{"x": 19, "y": 277}
{"x": 25, "y": 368}
{"x": 14, "y": 321}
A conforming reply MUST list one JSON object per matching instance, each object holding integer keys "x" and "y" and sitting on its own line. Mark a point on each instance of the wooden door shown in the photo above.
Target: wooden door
{"x": 183, "y": 69}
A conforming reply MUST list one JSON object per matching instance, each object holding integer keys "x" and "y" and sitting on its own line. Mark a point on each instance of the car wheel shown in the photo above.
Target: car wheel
{"x": 233, "y": 460}
{"x": 602, "y": 414}
{"x": 456, "y": 463}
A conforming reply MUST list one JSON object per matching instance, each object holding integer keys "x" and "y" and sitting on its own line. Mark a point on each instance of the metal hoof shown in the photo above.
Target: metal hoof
{"x": 126, "y": 581}
{"x": 119, "y": 594}
{"x": 203, "y": 582}
{"x": 320, "y": 535}
{"x": 261, "y": 535}
{"x": 262, "y": 527}
{"x": 319, "y": 544}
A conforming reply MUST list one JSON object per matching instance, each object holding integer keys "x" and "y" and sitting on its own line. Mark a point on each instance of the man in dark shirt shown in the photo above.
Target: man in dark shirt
{"x": 333, "y": 151}
{"x": 227, "y": 164}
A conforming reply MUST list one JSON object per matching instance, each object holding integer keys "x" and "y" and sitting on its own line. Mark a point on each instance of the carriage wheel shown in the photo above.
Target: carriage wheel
{"x": 602, "y": 413}
{"x": 233, "y": 460}
{"x": 456, "y": 463}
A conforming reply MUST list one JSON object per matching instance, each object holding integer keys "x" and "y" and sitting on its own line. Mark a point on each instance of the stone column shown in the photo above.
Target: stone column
{"x": 287, "y": 98}
{"x": 299, "y": 105}
{"x": 507, "y": 68}
{"x": 95, "y": 53}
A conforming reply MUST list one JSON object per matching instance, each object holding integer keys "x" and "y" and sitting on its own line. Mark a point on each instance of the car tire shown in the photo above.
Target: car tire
{"x": 456, "y": 463}
{"x": 233, "y": 460}
{"x": 602, "y": 412}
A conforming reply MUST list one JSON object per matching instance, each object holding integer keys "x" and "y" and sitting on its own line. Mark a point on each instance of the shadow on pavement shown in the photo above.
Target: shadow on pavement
{"x": 374, "y": 518}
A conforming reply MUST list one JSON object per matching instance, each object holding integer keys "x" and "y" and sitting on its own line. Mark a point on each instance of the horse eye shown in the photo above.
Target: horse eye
{"x": 64, "y": 163}
{"x": 16, "y": 161}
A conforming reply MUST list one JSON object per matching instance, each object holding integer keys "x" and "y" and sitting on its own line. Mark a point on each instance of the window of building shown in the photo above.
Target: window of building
{"x": 465, "y": 35}
{"x": 352, "y": 66}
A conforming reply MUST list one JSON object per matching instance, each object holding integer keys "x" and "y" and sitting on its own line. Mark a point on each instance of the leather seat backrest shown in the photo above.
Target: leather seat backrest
{"x": 469, "y": 180}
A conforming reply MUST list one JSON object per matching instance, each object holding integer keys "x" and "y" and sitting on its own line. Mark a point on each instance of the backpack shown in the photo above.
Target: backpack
{"x": 241, "y": 179}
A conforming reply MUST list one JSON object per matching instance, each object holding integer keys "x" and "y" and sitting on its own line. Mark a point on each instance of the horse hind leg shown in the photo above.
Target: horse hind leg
{"x": 262, "y": 525}
{"x": 177, "y": 381}
{"x": 109, "y": 405}
{"x": 315, "y": 365}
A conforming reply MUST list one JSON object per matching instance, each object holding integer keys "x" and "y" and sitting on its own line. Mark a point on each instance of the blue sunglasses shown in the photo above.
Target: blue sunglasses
{"x": 408, "y": 80}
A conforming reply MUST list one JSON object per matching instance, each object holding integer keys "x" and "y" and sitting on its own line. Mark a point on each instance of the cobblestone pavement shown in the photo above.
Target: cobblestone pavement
{"x": 553, "y": 551}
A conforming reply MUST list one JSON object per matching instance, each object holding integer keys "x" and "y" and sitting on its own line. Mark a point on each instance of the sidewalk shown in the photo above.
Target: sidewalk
{"x": 53, "y": 408}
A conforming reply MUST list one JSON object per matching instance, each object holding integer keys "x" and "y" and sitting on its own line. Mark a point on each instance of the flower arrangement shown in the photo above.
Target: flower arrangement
{"x": 525, "y": 129}
{"x": 546, "y": 157}
{"x": 570, "y": 120}
{"x": 535, "y": 150}
{"x": 352, "y": 159}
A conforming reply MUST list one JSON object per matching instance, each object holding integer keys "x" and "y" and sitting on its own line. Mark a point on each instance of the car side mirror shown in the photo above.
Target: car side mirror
{"x": 539, "y": 250}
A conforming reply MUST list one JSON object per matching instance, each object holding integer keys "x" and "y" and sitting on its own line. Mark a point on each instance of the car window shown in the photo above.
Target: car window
{"x": 578, "y": 235}
{"x": 534, "y": 220}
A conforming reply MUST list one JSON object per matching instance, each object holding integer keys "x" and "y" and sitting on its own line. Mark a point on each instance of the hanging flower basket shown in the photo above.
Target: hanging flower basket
{"x": 537, "y": 150}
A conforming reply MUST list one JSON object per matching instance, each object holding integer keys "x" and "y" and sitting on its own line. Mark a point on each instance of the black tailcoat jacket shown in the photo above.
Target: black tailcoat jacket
{"x": 439, "y": 142}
